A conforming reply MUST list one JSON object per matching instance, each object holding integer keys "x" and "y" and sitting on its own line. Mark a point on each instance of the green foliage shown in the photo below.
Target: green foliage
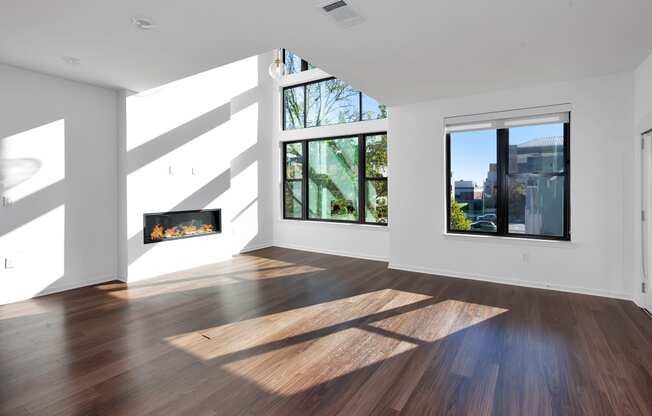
{"x": 457, "y": 218}
{"x": 376, "y": 156}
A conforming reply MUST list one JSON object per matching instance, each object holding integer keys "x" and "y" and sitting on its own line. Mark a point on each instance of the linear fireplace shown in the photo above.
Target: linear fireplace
{"x": 165, "y": 226}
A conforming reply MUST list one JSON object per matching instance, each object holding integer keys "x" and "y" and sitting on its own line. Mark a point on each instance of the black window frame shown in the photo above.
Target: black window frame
{"x": 304, "y": 188}
{"x": 362, "y": 179}
{"x": 502, "y": 170}
{"x": 305, "y": 85}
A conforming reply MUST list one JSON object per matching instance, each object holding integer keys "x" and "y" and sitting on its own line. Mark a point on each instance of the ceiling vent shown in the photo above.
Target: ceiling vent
{"x": 341, "y": 12}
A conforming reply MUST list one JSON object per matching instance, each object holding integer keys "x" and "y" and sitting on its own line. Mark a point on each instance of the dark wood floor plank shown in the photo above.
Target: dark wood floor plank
{"x": 286, "y": 332}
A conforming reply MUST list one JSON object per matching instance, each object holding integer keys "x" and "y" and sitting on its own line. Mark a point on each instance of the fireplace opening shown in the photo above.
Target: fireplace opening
{"x": 174, "y": 225}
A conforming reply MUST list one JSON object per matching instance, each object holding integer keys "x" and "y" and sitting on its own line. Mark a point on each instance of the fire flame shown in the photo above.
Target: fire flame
{"x": 181, "y": 230}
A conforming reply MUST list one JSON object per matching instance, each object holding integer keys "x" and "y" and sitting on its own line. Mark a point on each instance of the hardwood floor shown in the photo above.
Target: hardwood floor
{"x": 285, "y": 332}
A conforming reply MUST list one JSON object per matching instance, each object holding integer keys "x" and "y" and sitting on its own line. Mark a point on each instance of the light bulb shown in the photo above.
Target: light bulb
{"x": 276, "y": 69}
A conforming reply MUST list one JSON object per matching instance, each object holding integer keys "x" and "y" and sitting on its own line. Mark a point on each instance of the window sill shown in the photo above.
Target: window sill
{"x": 366, "y": 227}
{"x": 510, "y": 240}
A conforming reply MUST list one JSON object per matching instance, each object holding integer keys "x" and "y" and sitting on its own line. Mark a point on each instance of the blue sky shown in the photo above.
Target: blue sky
{"x": 473, "y": 151}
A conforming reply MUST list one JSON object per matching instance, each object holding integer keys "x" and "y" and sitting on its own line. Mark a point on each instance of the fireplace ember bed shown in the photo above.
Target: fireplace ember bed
{"x": 175, "y": 225}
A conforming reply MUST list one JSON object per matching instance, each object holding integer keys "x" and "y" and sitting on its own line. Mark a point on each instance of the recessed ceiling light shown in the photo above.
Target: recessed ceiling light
{"x": 71, "y": 60}
{"x": 143, "y": 23}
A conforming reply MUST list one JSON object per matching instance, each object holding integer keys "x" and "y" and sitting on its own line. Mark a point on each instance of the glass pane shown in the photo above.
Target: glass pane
{"x": 371, "y": 109}
{"x": 293, "y": 203}
{"x": 333, "y": 179}
{"x": 536, "y": 149}
{"x": 536, "y": 205}
{"x": 376, "y": 156}
{"x": 293, "y": 107}
{"x": 376, "y": 201}
{"x": 473, "y": 181}
{"x": 292, "y": 63}
{"x": 332, "y": 102}
{"x": 294, "y": 161}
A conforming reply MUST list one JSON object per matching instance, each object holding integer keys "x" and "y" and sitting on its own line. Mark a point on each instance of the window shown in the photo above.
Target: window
{"x": 376, "y": 179}
{"x": 333, "y": 186}
{"x": 511, "y": 179}
{"x": 326, "y": 102}
{"x": 293, "y": 63}
{"x": 332, "y": 102}
{"x": 294, "y": 115}
{"x": 371, "y": 109}
{"x": 341, "y": 179}
{"x": 293, "y": 187}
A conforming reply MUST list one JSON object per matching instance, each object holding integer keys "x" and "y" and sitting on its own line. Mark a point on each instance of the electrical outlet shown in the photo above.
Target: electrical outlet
{"x": 525, "y": 257}
{"x": 6, "y": 202}
{"x": 9, "y": 263}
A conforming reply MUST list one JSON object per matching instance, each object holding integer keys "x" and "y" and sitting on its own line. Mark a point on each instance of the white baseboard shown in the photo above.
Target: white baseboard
{"x": 515, "y": 282}
{"x": 75, "y": 285}
{"x": 255, "y": 247}
{"x": 331, "y": 252}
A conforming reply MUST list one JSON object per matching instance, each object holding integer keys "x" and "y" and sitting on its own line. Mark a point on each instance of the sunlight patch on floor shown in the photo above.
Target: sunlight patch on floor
{"x": 291, "y": 367}
{"x": 277, "y": 331}
{"x": 448, "y": 316}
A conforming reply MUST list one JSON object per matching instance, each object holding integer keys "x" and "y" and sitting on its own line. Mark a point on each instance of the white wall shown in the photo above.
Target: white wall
{"x": 365, "y": 241}
{"x": 200, "y": 142}
{"x": 642, "y": 123}
{"x": 596, "y": 261}
{"x": 58, "y": 167}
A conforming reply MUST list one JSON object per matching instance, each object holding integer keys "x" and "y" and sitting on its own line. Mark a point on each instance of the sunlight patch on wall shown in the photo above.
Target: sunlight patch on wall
{"x": 245, "y": 227}
{"x": 187, "y": 147}
{"x": 167, "y": 181}
{"x": 244, "y": 125}
{"x": 37, "y": 251}
{"x": 156, "y": 111}
{"x": 244, "y": 206}
{"x": 32, "y": 160}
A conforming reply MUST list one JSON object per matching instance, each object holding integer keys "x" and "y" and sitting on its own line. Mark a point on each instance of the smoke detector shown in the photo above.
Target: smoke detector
{"x": 341, "y": 12}
{"x": 143, "y": 23}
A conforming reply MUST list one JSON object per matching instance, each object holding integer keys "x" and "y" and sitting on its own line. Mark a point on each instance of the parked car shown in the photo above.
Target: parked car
{"x": 483, "y": 226}
{"x": 487, "y": 217}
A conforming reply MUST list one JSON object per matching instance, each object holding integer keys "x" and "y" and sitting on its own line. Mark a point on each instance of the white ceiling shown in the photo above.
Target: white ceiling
{"x": 404, "y": 51}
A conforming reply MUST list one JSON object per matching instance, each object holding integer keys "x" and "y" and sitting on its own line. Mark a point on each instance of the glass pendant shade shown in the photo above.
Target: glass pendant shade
{"x": 277, "y": 68}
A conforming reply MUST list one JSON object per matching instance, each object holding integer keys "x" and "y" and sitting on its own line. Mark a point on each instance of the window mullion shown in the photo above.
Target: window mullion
{"x": 304, "y": 183}
{"x": 567, "y": 183}
{"x": 449, "y": 190}
{"x": 305, "y": 106}
{"x": 502, "y": 184}
{"x": 362, "y": 171}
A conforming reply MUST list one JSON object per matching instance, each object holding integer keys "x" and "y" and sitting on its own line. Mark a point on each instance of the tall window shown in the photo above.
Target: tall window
{"x": 326, "y": 102}
{"x": 376, "y": 178}
{"x": 510, "y": 181}
{"x": 341, "y": 179}
{"x": 293, "y": 188}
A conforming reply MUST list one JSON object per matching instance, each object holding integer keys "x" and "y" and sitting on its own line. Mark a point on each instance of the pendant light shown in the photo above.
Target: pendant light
{"x": 277, "y": 68}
